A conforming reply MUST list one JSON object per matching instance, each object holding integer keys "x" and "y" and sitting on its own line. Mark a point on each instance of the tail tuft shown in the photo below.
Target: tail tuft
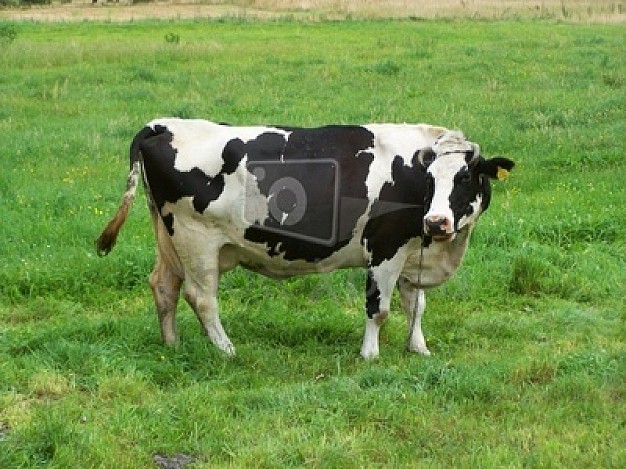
{"x": 106, "y": 240}
{"x": 108, "y": 237}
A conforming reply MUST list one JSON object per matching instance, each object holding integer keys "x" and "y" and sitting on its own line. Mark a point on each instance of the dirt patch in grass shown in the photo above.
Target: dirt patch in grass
{"x": 4, "y": 430}
{"x": 592, "y": 11}
{"x": 178, "y": 461}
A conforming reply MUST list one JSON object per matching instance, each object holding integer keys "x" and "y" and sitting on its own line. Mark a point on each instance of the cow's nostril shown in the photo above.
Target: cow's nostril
{"x": 437, "y": 224}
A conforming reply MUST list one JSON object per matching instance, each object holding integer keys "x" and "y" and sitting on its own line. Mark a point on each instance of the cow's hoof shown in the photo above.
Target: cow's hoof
{"x": 369, "y": 354}
{"x": 422, "y": 350}
{"x": 228, "y": 349}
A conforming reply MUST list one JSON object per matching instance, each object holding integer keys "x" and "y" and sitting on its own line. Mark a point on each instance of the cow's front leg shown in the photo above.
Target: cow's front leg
{"x": 378, "y": 300}
{"x": 202, "y": 297}
{"x": 413, "y": 302}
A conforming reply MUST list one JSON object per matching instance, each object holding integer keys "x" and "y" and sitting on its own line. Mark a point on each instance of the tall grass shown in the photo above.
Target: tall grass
{"x": 528, "y": 338}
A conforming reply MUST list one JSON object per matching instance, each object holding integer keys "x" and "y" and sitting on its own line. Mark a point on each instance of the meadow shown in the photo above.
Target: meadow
{"x": 528, "y": 339}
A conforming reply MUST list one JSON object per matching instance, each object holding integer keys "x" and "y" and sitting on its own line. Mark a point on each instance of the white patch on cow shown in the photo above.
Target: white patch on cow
{"x": 386, "y": 274}
{"x": 393, "y": 140}
{"x": 369, "y": 348}
{"x": 417, "y": 343}
{"x": 252, "y": 204}
{"x": 403, "y": 140}
{"x": 193, "y": 140}
{"x": 443, "y": 170}
{"x": 198, "y": 141}
{"x": 240, "y": 204}
{"x": 182, "y": 208}
{"x": 453, "y": 141}
{"x": 379, "y": 174}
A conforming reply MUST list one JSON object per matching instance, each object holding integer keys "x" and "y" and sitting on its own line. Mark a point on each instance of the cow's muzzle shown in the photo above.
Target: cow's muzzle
{"x": 438, "y": 227}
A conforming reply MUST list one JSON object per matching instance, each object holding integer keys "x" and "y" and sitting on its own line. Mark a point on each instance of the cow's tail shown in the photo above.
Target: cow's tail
{"x": 106, "y": 240}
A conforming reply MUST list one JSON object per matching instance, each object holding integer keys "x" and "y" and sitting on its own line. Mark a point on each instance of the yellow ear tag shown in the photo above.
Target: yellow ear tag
{"x": 502, "y": 173}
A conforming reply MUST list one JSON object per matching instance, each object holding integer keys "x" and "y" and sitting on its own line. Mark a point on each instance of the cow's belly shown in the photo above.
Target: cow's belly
{"x": 196, "y": 234}
{"x": 254, "y": 257}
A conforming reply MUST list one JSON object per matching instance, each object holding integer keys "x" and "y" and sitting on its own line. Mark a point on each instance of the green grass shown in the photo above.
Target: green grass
{"x": 528, "y": 339}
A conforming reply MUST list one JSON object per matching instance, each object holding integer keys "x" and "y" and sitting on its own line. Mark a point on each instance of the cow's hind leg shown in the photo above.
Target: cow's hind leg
{"x": 201, "y": 294}
{"x": 413, "y": 303}
{"x": 166, "y": 279}
{"x": 165, "y": 286}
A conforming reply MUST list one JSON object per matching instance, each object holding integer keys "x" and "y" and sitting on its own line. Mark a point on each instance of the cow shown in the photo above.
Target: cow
{"x": 400, "y": 200}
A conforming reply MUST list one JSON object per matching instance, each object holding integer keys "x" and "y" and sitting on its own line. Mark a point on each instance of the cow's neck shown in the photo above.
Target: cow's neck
{"x": 439, "y": 260}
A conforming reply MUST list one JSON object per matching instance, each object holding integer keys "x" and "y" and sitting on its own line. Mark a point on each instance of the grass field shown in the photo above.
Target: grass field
{"x": 528, "y": 339}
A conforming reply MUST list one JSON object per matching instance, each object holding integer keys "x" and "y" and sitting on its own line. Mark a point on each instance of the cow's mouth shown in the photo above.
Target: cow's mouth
{"x": 440, "y": 238}
{"x": 437, "y": 234}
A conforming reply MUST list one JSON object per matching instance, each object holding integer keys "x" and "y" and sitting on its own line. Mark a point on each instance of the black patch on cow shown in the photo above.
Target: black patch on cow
{"x": 267, "y": 147}
{"x": 488, "y": 168}
{"x": 372, "y": 296}
{"x": 396, "y": 216}
{"x": 467, "y": 186}
{"x": 485, "y": 190}
{"x": 212, "y": 189}
{"x": 233, "y": 152}
{"x": 168, "y": 221}
{"x": 346, "y": 147}
{"x": 167, "y": 184}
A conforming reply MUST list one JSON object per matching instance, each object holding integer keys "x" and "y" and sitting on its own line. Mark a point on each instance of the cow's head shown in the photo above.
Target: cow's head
{"x": 457, "y": 188}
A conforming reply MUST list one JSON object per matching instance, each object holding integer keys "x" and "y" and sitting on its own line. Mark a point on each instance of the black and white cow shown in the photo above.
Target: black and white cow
{"x": 400, "y": 200}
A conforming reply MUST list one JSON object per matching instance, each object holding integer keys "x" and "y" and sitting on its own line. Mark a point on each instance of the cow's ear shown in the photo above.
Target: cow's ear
{"x": 496, "y": 168}
{"x": 426, "y": 156}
